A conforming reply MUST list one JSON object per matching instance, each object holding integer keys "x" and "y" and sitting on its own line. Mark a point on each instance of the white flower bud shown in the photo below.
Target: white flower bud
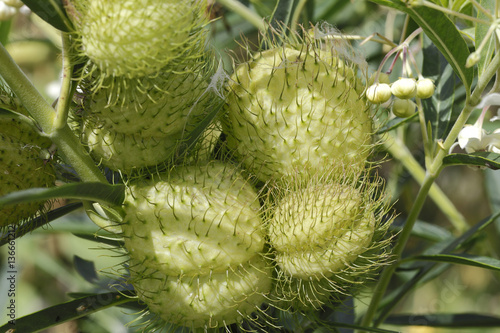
{"x": 404, "y": 88}
{"x": 472, "y": 59}
{"x": 6, "y": 12}
{"x": 403, "y": 108}
{"x": 378, "y": 93}
{"x": 425, "y": 88}
{"x": 14, "y": 3}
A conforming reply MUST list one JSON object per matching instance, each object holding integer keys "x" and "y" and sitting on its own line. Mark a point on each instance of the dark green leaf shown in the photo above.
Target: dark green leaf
{"x": 480, "y": 159}
{"x": 462, "y": 259}
{"x": 480, "y": 33}
{"x": 105, "y": 193}
{"x": 64, "y": 312}
{"x": 438, "y": 108}
{"x": 459, "y": 320}
{"x": 51, "y": 11}
{"x": 86, "y": 269}
{"x": 443, "y": 34}
{"x": 40, "y": 221}
{"x": 132, "y": 305}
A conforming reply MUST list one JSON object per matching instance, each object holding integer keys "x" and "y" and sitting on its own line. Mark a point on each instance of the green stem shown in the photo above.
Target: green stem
{"x": 430, "y": 175}
{"x": 454, "y": 13}
{"x": 68, "y": 144}
{"x": 399, "y": 150}
{"x": 244, "y": 12}
{"x": 65, "y": 95}
{"x": 23, "y": 88}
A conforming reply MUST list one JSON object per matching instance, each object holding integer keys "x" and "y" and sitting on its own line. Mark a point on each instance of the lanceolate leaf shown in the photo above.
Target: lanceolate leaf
{"x": 40, "y": 221}
{"x": 64, "y": 312}
{"x": 462, "y": 259}
{"x": 480, "y": 33}
{"x": 458, "y": 320}
{"x": 104, "y": 193}
{"x": 282, "y": 13}
{"x": 480, "y": 159}
{"x": 51, "y": 11}
{"x": 443, "y": 34}
{"x": 438, "y": 108}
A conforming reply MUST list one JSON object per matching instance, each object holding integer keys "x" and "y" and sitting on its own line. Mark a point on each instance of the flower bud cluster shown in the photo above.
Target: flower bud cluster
{"x": 403, "y": 90}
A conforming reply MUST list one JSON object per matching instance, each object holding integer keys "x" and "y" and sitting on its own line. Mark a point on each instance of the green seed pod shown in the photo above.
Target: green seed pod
{"x": 208, "y": 301}
{"x": 21, "y": 167}
{"x": 138, "y": 38}
{"x": 403, "y": 108}
{"x": 201, "y": 219}
{"x": 425, "y": 88}
{"x": 378, "y": 93}
{"x": 296, "y": 108}
{"x": 326, "y": 235}
{"x": 126, "y": 152}
{"x": 164, "y": 106}
{"x": 195, "y": 241}
{"x": 404, "y": 88}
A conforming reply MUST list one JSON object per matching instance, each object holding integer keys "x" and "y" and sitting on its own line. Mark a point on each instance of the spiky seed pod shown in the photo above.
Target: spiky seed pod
{"x": 206, "y": 301}
{"x": 199, "y": 220}
{"x": 325, "y": 235}
{"x": 21, "y": 167}
{"x": 296, "y": 108}
{"x": 137, "y": 38}
{"x": 404, "y": 88}
{"x": 164, "y": 106}
{"x": 403, "y": 108}
{"x": 194, "y": 241}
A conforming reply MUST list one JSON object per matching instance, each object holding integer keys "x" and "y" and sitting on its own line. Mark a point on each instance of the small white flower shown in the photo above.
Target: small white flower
{"x": 493, "y": 141}
{"x": 471, "y": 137}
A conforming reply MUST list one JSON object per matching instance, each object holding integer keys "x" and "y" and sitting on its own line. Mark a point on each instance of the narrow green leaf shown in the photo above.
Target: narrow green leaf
{"x": 458, "y": 320}
{"x": 390, "y": 301}
{"x": 462, "y": 259}
{"x": 396, "y": 122}
{"x": 282, "y": 14}
{"x": 86, "y": 269}
{"x": 64, "y": 312}
{"x": 112, "y": 241}
{"x": 481, "y": 29}
{"x": 39, "y": 222}
{"x": 105, "y": 193}
{"x": 51, "y": 11}
{"x": 443, "y": 34}
{"x": 480, "y": 159}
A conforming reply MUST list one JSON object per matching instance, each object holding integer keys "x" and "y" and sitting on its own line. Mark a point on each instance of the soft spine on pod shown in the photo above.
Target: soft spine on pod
{"x": 297, "y": 108}
{"x": 195, "y": 242}
{"x": 22, "y": 167}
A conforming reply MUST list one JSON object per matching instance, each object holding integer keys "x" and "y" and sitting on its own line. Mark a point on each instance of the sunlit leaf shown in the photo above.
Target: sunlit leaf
{"x": 458, "y": 320}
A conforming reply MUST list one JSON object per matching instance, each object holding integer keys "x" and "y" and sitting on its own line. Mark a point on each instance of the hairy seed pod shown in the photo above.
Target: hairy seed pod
{"x": 325, "y": 235}
{"x": 138, "y": 38}
{"x": 22, "y": 167}
{"x": 195, "y": 241}
{"x": 296, "y": 108}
